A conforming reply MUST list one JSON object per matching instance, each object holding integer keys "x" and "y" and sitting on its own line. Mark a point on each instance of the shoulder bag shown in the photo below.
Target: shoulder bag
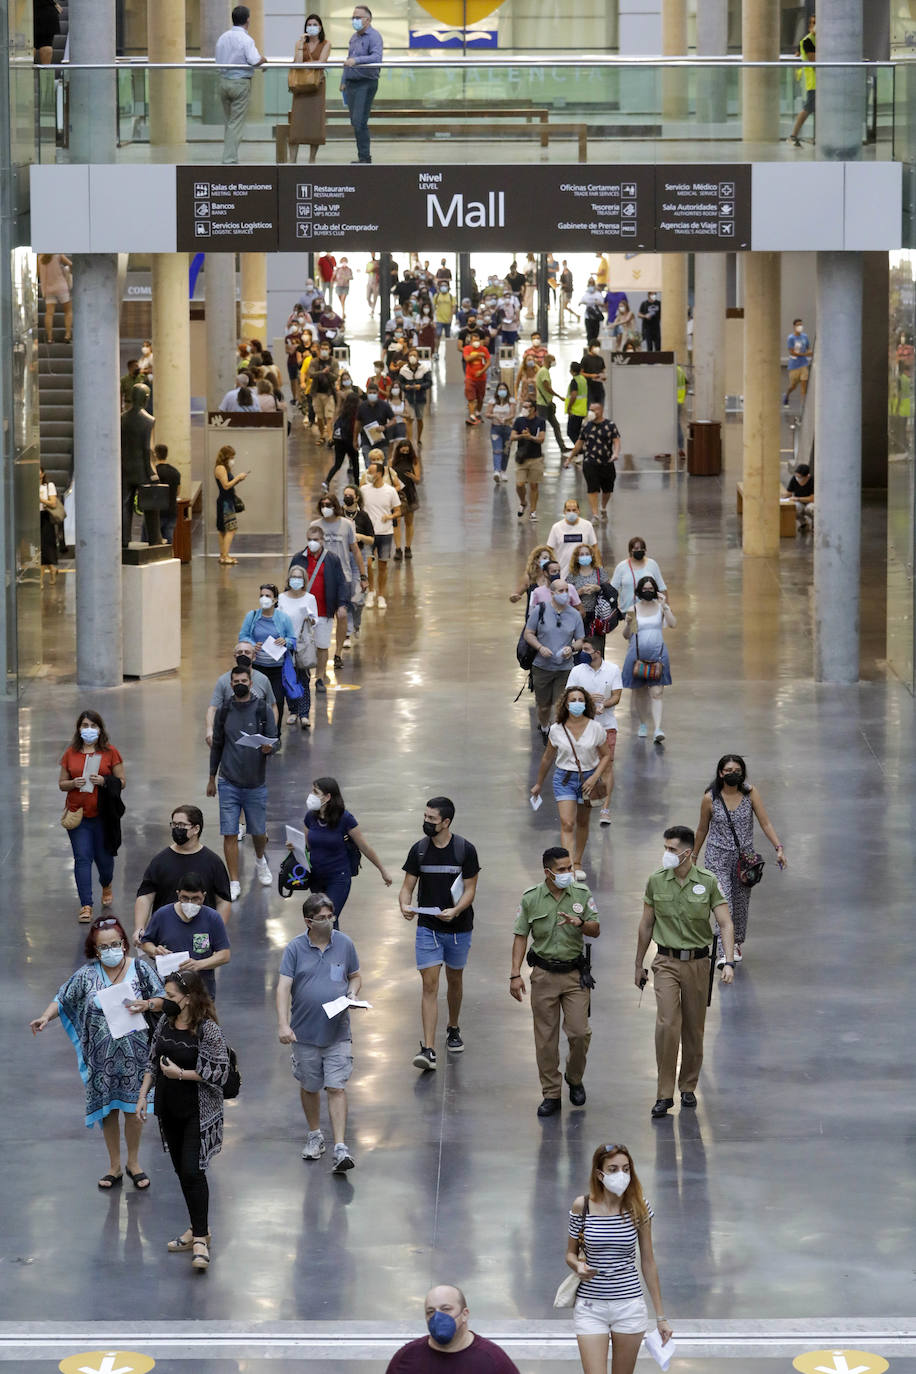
{"x": 310, "y": 79}
{"x": 569, "y": 1288}
{"x": 71, "y": 819}
{"x": 750, "y": 863}
{"x": 644, "y": 671}
{"x": 598, "y": 790}
{"x": 306, "y": 653}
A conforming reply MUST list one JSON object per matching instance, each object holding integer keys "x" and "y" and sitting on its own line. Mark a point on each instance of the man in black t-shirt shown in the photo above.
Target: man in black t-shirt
{"x": 444, "y": 868}
{"x": 166, "y": 871}
{"x": 172, "y": 478}
{"x": 650, "y": 312}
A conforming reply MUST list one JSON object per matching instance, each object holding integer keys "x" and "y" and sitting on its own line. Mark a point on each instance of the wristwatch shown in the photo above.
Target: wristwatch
{"x": 728, "y": 964}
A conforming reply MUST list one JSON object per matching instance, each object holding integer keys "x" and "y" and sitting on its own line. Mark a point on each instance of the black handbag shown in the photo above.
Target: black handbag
{"x": 292, "y": 877}
{"x": 750, "y": 863}
{"x": 233, "y": 1084}
{"x": 153, "y": 496}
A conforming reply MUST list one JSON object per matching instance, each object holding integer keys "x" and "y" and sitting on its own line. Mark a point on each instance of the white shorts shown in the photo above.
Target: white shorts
{"x": 598, "y": 1316}
{"x": 323, "y": 632}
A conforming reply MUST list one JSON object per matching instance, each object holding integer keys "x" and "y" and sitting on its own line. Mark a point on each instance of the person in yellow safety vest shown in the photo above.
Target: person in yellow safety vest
{"x": 681, "y": 398}
{"x": 806, "y": 50}
{"x": 576, "y": 401}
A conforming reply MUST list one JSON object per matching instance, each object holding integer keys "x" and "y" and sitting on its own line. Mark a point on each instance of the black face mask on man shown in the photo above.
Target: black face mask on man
{"x": 240, "y": 689}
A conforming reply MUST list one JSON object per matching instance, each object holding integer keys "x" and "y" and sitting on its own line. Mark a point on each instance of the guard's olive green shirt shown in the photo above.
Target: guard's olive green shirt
{"x": 538, "y": 917}
{"x": 682, "y": 912}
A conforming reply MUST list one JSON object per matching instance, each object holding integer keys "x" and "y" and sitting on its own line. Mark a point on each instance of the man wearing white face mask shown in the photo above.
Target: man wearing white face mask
{"x": 189, "y": 925}
{"x": 679, "y": 901}
{"x": 557, "y": 916}
{"x": 570, "y": 531}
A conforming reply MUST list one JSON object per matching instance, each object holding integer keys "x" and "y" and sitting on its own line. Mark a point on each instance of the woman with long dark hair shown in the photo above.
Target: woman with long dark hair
{"x": 727, "y": 813}
{"x": 308, "y": 116}
{"x": 90, "y": 748}
{"x": 605, "y": 1227}
{"x": 188, "y": 1065}
{"x": 333, "y": 833}
{"x": 343, "y": 437}
{"x": 226, "y": 503}
{"x": 406, "y": 465}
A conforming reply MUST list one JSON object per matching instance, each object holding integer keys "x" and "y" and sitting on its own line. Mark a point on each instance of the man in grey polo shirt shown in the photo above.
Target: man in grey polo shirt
{"x": 236, "y": 46}
{"x": 317, "y": 967}
{"x": 555, "y": 630}
{"x": 222, "y": 688}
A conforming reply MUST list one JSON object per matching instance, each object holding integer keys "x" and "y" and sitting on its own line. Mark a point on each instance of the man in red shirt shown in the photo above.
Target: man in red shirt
{"x": 476, "y": 361}
{"x": 451, "y": 1345}
{"x": 326, "y": 265}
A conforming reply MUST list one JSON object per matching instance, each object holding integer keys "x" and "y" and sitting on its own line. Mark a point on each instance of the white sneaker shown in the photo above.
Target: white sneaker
{"x": 643, "y": 731}
{"x": 235, "y": 890}
{"x": 346, "y": 642}
{"x": 314, "y": 1146}
{"x": 242, "y": 828}
{"x": 738, "y": 955}
{"x": 265, "y": 877}
{"x": 370, "y": 600}
{"x": 605, "y": 817}
{"x": 381, "y": 603}
{"x": 658, "y": 736}
{"x": 533, "y": 515}
{"x": 580, "y": 875}
{"x": 343, "y": 1160}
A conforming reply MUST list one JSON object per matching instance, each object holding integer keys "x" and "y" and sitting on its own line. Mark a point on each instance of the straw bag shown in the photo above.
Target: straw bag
{"x": 569, "y": 1288}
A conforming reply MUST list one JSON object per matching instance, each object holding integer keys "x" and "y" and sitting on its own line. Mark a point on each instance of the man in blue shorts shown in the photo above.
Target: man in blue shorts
{"x": 798, "y": 347}
{"x": 445, "y": 866}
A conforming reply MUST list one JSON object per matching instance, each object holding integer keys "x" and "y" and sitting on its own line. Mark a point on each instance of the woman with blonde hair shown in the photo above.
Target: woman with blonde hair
{"x": 227, "y": 503}
{"x": 605, "y": 1227}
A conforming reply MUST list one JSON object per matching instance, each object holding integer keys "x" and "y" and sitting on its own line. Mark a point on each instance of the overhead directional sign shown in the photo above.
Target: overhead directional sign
{"x": 839, "y": 1362}
{"x": 702, "y": 209}
{"x": 107, "y": 1362}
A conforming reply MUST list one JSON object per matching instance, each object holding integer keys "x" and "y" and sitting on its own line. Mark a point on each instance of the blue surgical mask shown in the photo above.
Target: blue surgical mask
{"x": 572, "y": 516}
{"x": 576, "y": 708}
{"x": 585, "y": 560}
{"x": 442, "y": 1327}
{"x": 561, "y": 598}
{"x": 357, "y": 24}
{"x": 89, "y": 735}
{"x": 296, "y": 584}
{"x": 562, "y": 879}
{"x": 112, "y": 956}
{"x": 312, "y": 30}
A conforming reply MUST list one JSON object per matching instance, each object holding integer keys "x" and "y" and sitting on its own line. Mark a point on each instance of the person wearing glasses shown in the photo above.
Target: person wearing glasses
{"x": 605, "y": 1227}
{"x": 188, "y": 1064}
{"x": 555, "y": 631}
{"x": 111, "y": 1067}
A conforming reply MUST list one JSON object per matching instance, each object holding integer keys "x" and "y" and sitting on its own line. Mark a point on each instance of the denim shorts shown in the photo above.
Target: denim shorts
{"x": 567, "y": 783}
{"x": 598, "y": 1316}
{"x": 441, "y": 947}
{"x": 322, "y": 1066}
{"x": 233, "y": 800}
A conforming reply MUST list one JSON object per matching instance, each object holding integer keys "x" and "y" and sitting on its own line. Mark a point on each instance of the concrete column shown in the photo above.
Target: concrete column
{"x": 674, "y": 44}
{"x": 760, "y": 86}
{"x": 840, "y": 93}
{"x": 674, "y": 304}
{"x": 165, "y": 26}
{"x": 709, "y": 305}
{"x": 254, "y": 297}
{"x": 93, "y": 98}
{"x": 760, "y": 532}
{"x": 222, "y": 327}
{"x": 712, "y": 41}
{"x": 172, "y": 352}
{"x": 97, "y": 469}
{"x": 838, "y": 467}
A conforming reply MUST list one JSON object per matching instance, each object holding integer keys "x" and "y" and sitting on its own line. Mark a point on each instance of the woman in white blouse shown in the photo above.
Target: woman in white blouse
{"x": 577, "y": 747}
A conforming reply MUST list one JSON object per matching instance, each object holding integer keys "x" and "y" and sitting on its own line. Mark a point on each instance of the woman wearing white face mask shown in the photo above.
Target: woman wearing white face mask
{"x": 308, "y": 116}
{"x": 335, "y": 842}
{"x": 269, "y": 622}
{"x": 535, "y": 575}
{"x": 89, "y": 760}
{"x": 605, "y": 1227}
{"x": 302, "y": 610}
{"x": 577, "y": 745}
{"x": 340, "y": 540}
{"x": 500, "y": 412}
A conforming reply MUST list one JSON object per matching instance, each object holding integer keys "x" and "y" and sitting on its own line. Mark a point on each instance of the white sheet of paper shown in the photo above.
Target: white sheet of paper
{"x": 457, "y": 890}
{"x": 111, "y": 1001}
{"x": 427, "y": 910}
{"x": 170, "y": 963}
{"x": 536, "y": 803}
{"x": 340, "y": 1004}
{"x": 661, "y": 1354}
{"x": 297, "y": 839}
{"x": 91, "y": 765}
{"x": 253, "y": 741}
{"x": 272, "y": 647}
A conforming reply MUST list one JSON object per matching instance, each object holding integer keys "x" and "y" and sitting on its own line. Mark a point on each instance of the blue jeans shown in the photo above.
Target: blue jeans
{"x": 335, "y": 885}
{"x": 87, "y": 846}
{"x": 360, "y": 95}
{"x": 499, "y": 438}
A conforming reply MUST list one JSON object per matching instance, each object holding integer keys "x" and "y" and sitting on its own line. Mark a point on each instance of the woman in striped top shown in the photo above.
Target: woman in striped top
{"x": 604, "y": 1229}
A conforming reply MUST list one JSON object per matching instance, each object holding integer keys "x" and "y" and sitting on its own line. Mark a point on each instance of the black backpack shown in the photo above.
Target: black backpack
{"x": 233, "y": 1084}
{"x": 525, "y": 652}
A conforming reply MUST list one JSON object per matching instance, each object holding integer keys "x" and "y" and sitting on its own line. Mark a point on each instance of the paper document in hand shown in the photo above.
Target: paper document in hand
{"x": 296, "y": 838}
{"x": 661, "y": 1354}
{"x": 343, "y": 1004}
{"x": 427, "y": 910}
{"x": 170, "y": 963}
{"x": 254, "y": 741}
{"x": 111, "y": 1001}
{"x": 457, "y": 890}
{"x": 91, "y": 765}
{"x": 273, "y": 648}
{"x": 536, "y": 803}
{"x": 374, "y": 431}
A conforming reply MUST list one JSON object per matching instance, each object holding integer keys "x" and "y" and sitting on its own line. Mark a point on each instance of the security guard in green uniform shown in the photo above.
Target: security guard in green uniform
{"x": 679, "y": 900}
{"x": 556, "y": 915}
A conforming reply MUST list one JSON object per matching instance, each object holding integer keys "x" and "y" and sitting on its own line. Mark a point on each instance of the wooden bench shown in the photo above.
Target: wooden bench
{"x": 446, "y": 127}
{"x": 787, "y": 521}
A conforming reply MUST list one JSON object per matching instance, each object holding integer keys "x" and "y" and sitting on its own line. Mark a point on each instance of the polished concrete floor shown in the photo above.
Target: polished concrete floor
{"x": 788, "y": 1195}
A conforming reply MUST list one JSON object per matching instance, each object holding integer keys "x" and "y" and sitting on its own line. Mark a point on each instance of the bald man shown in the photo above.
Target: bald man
{"x": 451, "y": 1344}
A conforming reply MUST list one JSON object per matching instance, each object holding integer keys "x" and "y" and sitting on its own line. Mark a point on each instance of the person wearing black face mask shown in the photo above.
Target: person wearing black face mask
{"x": 222, "y": 688}
{"x": 727, "y": 811}
{"x": 629, "y": 570}
{"x": 447, "y": 1321}
{"x": 439, "y": 887}
{"x": 168, "y": 870}
{"x": 243, "y": 775}
{"x": 646, "y": 670}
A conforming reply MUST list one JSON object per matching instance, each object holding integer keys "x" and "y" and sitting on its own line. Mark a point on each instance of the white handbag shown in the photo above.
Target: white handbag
{"x": 568, "y": 1290}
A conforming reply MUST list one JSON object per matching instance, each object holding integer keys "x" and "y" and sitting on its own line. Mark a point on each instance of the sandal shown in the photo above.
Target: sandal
{"x": 85, "y": 915}
{"x": 183, "y": 1243}
{"x": 201, "y": 1258}
{"x": 140, "y": 1180}
{"x": 109, "y": 1181}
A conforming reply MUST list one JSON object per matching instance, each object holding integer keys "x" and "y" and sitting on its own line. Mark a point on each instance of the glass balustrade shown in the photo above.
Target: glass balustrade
{"x": 471, "y": 110}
